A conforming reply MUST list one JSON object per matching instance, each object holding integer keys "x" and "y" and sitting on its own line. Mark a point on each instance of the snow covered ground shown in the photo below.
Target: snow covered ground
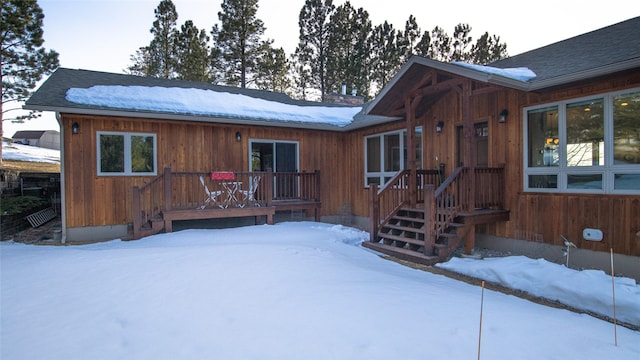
{"x": 286, "y": 291}
{"x": 21, "y": 152}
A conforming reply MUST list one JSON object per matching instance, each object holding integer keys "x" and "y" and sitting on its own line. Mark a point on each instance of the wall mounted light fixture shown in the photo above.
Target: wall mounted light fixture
{"x": 439, "y": 126}
{"x": 238, "y": 136}
{"x": 502, "y": 117}
{"x": 75, "y": 128}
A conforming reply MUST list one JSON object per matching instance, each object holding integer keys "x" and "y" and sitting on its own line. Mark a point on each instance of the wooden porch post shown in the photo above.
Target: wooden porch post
{"x": 411, "y": 150}
{"x": 167, "y": 189}
{"x": 374, "y": 208}
{"x": 137, "y": 220}
{"x": 429, "y": 218}
{"x": 317, "y": 195}
{"x": 269, "y": 186}
{"x": 469, "y": 161}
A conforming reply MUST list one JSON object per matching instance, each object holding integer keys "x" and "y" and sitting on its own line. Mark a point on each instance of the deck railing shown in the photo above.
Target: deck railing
{"x": 219, "y": 190}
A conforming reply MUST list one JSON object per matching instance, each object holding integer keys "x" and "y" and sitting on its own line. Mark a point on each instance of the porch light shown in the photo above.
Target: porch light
{"x": 75, "y": 128}
{"x": 439, "y": 126}
{"x": 238, "y": 136}
{"x": 503, "y": 116}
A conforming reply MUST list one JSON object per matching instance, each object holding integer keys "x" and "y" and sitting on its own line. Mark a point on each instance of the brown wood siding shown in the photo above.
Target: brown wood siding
{"x": 93, "y": 200}
{"x": 547, "y": 217}
{"x": 543, "y": 216}
{"x": 356, "y": 194}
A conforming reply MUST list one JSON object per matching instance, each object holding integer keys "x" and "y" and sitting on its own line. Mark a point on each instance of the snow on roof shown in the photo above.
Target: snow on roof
{"x": 520, "y": 73}
{"x": 208, "y": 103}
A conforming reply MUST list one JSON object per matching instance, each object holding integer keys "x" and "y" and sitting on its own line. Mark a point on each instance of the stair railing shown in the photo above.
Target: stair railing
{"x": 387, "y": 200}
{"x": 148, "y": 202}
{"x": 441, "y": 206}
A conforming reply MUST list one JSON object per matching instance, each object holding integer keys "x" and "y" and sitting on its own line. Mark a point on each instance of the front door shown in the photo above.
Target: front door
{"x": 281, "y": 157}
{"x": 481, "y": 134}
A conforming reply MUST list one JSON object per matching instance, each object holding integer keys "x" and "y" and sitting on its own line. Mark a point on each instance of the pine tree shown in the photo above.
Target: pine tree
{"x": 440, "y": 45}
{"x": 23, "y": 59}
{"x": 408, "y": 39}
{"x": 301, "y": 72}
{"x": 239, "y": 40}
{"x": 385, "y": 54}
{"x": 348, "y": 54}
{"x": 272, "y": 70}
{"x": 193, "y": 62}
{"x": 460, "y": 42}
{"x": 159, "y": 59}
{"x": 314, "y": 41}
{"x": 487, "y": 49}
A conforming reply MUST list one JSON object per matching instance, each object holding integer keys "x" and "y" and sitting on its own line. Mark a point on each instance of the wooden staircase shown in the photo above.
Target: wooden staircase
{"x": 403, "y": 237}
{"x": 419, "y": 218}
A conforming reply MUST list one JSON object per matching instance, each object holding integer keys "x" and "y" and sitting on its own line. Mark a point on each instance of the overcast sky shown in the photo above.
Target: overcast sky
{"x": 103, "y": 34}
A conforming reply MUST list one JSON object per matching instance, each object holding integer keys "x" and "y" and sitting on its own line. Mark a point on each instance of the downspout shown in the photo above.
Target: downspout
{"x": 63, "y": 211}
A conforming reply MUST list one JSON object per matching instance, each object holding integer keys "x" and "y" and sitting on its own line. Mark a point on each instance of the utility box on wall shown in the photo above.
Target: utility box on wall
{"x": 592, "y": 234}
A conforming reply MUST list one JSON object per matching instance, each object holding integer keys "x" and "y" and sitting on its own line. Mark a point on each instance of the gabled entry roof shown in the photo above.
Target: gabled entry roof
{"x": 601, "y": 52}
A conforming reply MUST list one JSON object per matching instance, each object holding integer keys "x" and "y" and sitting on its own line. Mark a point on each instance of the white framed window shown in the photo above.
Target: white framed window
{"x": 586, "y": 145}
{"x": 385, "y": 154}
{"x": 126, "y": 154}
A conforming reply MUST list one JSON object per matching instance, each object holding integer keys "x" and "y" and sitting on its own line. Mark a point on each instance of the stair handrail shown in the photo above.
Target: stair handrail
{"x": 147, "y": 202}
{"x": 387, "y": 199}
{"x": 448, "y": 200}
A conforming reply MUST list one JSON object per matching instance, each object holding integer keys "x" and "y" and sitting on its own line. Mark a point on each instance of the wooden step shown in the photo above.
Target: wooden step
{"x": 401, "y": 238}
{"x": 406, "y": 218}
{"x": 401, "y": 253}
{"x": 414, "y": 210}
{"x": 403, "y": 228}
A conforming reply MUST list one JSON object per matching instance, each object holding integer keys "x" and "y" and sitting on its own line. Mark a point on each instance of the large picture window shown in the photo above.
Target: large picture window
{"x": 126, "y": 154}
{"x": 386, "y": 154}
{"x": 588, "y": 145}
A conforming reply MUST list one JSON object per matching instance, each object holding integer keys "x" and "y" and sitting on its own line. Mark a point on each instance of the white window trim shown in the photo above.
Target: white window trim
{"x": 127, "y": 154}
{"x": 608, "y": 170}
{"x": 384, "y": 174}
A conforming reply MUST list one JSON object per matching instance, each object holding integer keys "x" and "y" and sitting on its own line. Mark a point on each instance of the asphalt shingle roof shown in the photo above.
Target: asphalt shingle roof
{"x": 604, "y": 47}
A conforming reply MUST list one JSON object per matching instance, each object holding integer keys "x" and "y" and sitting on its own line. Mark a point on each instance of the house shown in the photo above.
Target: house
{"x": 528, "y": 154}
{"x": 49, "y": 139}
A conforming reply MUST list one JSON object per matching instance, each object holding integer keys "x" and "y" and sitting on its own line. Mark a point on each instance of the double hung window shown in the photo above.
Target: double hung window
{"x": 126, "y": 154}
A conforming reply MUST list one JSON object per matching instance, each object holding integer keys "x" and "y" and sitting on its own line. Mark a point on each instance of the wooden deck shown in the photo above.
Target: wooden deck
{"x": 176, "y": 196}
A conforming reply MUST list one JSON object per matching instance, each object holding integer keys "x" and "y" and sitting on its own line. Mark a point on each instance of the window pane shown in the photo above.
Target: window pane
{"x": 373, "y": 154}
{"x": 585, "y": 133}
{"x": 543, "y": 137}
{"x": 590, "y": 181}
{"x": 626, "y": 129}
{"x": 112, "y": 153}
{"x": 142, "y": 154}
{"x": 627, "y": 182}
{"x": 373, "y": 180}
{"x": 543, "y": 181}
{"x": 392, "y": 152}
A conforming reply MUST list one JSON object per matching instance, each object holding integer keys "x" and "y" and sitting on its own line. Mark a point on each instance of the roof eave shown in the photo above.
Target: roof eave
{"x": 585, "y": 74}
